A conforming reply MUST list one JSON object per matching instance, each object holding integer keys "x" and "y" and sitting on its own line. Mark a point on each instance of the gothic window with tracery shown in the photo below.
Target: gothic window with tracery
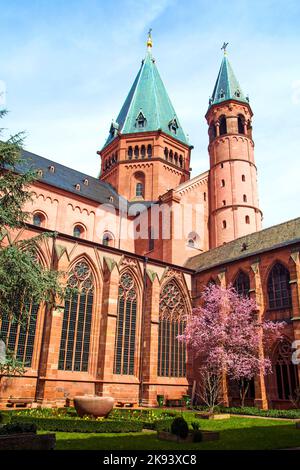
{"x": 171, "y": 352}
{"x": 76, "y": 329}
{"x": 19, "y": 336}
{"x": 279, "y": 289}
{"x": 126, "y": 326}
{"x": 286, "y": 371}
{"x": 242, "y": 284}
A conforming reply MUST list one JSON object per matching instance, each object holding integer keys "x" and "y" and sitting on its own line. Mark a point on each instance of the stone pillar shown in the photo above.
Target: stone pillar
{"x": 295, "y": 290}
{"x": 261, "y": 400}
{"x": 222, "y": 281}
{"x": 151, "y": 326}
{"x": 108, "y": 324}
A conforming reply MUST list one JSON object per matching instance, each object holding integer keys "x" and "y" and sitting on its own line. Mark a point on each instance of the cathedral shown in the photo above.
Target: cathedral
{"x": 143, "y": 239}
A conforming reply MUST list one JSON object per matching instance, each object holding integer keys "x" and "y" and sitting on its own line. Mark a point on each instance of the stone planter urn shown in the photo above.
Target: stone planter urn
{"x": 93, "y": 406}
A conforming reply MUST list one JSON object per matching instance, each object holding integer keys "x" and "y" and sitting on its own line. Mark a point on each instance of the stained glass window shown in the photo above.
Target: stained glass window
{"x": 126, "y": 326}
{"x": 171, "y": 352}
{"x": 76, "y": 329}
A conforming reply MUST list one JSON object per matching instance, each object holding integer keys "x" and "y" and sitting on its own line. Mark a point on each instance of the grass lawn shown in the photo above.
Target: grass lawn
{"x": 236, "y": 434}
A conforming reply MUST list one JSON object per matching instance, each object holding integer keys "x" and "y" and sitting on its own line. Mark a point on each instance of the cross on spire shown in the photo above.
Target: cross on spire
{"x": 224, "y": 47}
{"x": 149, "y": 41}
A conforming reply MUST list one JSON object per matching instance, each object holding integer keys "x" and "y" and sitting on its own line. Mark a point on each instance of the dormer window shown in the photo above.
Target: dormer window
{"x": 113, "y": 129}
{"x": 86, "y": 182}
{"x": 173, "y": 126}
{"x": 140, "y": 121}
{"x": 237, "y": 93}
{"x": 51, "y": 169}
{"x": 77, "y": 187}
{"x": 40, "y": 173}
{"x": 221, "y": 94}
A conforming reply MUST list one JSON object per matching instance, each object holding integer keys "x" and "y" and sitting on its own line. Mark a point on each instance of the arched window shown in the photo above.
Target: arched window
{"x": 176, "y": 158}
{"x": 224, "y": 224}
{"x": 279, "y": 290}
{"x": 39, "y": 219}
{"x": 143, "y": 151}
{"x": 171, "y": 156}
{"x": 126, "y": 326}
{"x": 244, "y": 198}
{"x": 171, "y": 352}
{"x": 223, "y": 125}
{"x": 108, "y": 239}
{"x": 242, "y": 284}
{"x": 247, "y": 219}
{"x": 243, "y": 178}
{"x": 136, "y": 152}
{"x": 139, "y": 190}
{"x": 76, "y": 329}
{"x": 181, "y": 161}
{"x": 19, "y": 337}
{"x": 166, "y": 153}
{"x": 286, "y": 371}
{"x": 223, "y": 183}
{"x": 241, "y": 125}
{"x": 78, "y": 231}
{"x": 130, "y": 153}
{"x": 149, "y": 151}
{"x": 212, "y": 132}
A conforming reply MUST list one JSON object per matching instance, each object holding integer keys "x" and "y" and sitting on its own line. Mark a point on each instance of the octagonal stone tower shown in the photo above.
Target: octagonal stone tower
{"x": 233, "y": 199}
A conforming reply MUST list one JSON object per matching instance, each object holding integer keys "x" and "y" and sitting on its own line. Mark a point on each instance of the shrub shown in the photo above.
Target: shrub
{"x": 252, "y": 411}
{"x": 197, "y": 436}
{"x": 160, "y": 400}
{"x": 18, "y": 428}
{"x": 180, "y": 427}
{"x": 1, "y": 417}
{"x": 195, "y": 425}
{"x": 162, "y": 424}
{"x": 80, "y": 425}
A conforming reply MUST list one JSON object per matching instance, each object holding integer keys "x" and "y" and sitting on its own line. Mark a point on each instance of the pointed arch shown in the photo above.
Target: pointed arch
{"x": 286, "y": 372}
{"x": 242, "y": 283}
{"x": 126, "y": 330}
{"x": 173, "y": 308}
{"x": 76, "y": 330}
{"x": 278, "y": 287}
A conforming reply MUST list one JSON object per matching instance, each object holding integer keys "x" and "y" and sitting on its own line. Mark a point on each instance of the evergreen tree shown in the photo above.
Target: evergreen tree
{"x": 23, "y": 280}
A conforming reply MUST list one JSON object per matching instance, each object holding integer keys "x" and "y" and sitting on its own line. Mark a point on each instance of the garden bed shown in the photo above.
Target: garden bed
{"x": 203, "y": 415}
{"x": 205, "y": 436}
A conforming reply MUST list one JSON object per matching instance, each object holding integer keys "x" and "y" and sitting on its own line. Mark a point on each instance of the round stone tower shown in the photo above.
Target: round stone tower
{"x": 233, "y": 199}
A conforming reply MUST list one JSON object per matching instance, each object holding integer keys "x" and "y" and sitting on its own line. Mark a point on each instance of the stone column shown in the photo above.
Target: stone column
{"x": 108, "y": 324}
{"x": 295, "y": 290}
{"x": 151, "y": 327}
{"x": 222, "y": 281}
{"x": 261, "y": 400}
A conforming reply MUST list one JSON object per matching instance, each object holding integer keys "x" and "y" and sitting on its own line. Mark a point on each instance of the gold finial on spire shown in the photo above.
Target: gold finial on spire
{"x": 149, "y": 41}
{"x": 224, "y": 47}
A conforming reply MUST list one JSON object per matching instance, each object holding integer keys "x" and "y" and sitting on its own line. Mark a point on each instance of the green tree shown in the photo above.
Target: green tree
{"x": 23, "y": 280}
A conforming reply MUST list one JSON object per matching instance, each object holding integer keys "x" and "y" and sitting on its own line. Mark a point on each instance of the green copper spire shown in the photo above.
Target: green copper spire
{"x": 147, "y": 106}
{"x": 227, "y": 86}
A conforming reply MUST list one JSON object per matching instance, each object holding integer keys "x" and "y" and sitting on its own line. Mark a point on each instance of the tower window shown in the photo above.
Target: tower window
{"x": 222, "y": 165}
{"x": 166, "y": 153}
{"x": 243, "y": 178}
{"x": 223, "y": 183}
{"x": 241, "y": 127}
{"x": 39, "y": 219}
{"x": 143, "y": 151}
{"x": 176, "y": 158}
{"x": 171, "y": 156}
{"x": 247, "y": 219}
{"x": 139, "y": 189}
{"x": 149, "y": 151}
{"x": 181, "y": 161}
{"x": 245, "y": 198}
{"x": 224, "y": 224}
{"x": 78, "y": 231}
{"x": 136, "y": 152}
{"x": 204, "y": 196}
{"x": 224, "y": 202}
{"x": 223, "y": 125}
{"x": 130, "y": 153}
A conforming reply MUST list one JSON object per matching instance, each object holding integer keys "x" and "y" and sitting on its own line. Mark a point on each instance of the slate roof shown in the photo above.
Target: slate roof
{"x": 277, "y": 236}
{"x": 227, "y": 86}
{"x": 66, "y": 178}
{"x": 149, "y": 96}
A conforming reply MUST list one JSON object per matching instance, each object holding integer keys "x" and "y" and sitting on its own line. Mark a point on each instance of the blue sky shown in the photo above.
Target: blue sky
{"x": 68, "y": 66}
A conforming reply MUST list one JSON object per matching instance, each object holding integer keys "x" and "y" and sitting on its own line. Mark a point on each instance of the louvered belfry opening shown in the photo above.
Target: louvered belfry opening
{"x": 76, "y": 329}
{"x": 19, "y": 335}
{"x": 124, "y": 362}
{"x": 171, "y": 352}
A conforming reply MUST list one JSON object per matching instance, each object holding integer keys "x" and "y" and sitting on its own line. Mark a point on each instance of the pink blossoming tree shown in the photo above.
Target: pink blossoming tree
{"x": 228, "y": 337}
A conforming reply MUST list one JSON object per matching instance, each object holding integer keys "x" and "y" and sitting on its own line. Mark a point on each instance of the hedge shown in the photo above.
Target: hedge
{"x": 251, "y": 411}
{"x": 80, "y": 425}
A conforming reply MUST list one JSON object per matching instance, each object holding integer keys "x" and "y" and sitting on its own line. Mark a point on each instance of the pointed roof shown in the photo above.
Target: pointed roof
{"x": 227, "y": 86}
{"x": 147, "y": 106}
